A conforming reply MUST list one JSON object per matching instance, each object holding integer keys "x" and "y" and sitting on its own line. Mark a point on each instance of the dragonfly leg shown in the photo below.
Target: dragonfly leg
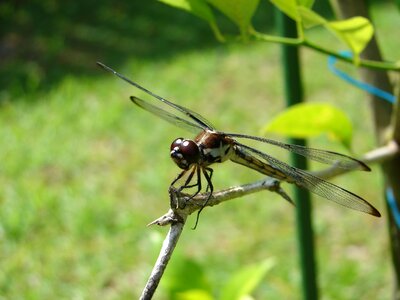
{"x": 209, "y": 180}
{"x": 187, "y": 185}
{"x": 207, "y": 172}
{"x": 179, "y": 177}
{"x": 198, "y": 184}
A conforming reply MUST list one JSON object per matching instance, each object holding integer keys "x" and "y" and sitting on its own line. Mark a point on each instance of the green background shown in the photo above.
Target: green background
{"x": 83, "y": 170}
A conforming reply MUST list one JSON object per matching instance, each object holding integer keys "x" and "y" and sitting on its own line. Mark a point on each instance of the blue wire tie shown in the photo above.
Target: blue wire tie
{"x": 379, "y": 93}
{"x": 394, "y": 208}
{"x": 359, "y": 84}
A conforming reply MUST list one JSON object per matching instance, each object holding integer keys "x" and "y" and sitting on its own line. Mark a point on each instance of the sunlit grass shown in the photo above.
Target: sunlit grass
{"x": 83, "y": 171}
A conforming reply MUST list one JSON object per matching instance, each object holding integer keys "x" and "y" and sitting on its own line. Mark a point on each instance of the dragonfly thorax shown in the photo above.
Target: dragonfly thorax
{"x": 184, "y": 153}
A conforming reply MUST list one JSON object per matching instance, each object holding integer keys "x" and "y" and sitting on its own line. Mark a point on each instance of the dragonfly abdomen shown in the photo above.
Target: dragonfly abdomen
{"x": 242, "y": 158}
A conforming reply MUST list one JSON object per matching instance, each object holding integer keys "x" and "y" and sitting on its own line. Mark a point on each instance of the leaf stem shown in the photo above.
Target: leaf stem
{"x": 372, "y": 64}
{"x": 276, "y": 39}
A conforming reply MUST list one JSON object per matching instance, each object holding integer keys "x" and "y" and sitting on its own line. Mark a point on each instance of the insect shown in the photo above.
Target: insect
{"x": 196, "y": 156}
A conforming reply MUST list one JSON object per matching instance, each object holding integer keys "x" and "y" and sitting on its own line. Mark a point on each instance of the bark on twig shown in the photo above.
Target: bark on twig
{"x": 165, "y": 254}
{"x": 181, "y": 209}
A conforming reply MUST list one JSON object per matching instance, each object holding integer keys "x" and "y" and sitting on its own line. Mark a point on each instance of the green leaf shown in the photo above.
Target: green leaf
{"x": 300, "y": 10}
{"x": 194, "y": 295}
{"x": 312, "y": 119}
{"x": 239, "y": 11}
{"x": 356, "y": 32}
{"x": 200, "y": 9}
{"x": 246, "y": 280}
{"x": 184, "y": 274}
{"x": 305, "y": 3}
{"x": 288, "y": 7}
{"x": 310, "y": 18}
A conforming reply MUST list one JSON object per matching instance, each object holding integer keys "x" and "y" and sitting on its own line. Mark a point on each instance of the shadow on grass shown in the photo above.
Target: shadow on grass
{"x": 43, "y": 41}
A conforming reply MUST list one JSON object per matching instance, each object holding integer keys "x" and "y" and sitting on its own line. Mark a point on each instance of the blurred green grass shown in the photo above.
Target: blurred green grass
{"x": 83, "y": 171}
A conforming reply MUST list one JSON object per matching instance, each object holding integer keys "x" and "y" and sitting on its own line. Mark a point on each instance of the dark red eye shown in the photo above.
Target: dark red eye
{"x": 190, "y": 149}
{"x": 176, "y": 143}
{"x": 184, "y": 153}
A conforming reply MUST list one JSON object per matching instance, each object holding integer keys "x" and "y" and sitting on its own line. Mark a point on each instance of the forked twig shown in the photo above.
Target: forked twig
{"x": 181, "y": 209}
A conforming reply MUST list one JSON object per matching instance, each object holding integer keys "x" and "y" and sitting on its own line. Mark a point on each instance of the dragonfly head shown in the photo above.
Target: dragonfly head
{"x": 185, "y": 153}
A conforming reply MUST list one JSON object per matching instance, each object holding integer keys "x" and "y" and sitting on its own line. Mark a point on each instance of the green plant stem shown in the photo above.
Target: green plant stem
{"x": 371, "y": 64}
{"x": 276, "y": 39}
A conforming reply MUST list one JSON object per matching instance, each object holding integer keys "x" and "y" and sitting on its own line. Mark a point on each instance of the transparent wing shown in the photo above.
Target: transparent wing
{"x": 314, "y": 184}
{"x": 323, "y": 156}
{"x": 167, "y": 116}
{"x": 195, "y": 117}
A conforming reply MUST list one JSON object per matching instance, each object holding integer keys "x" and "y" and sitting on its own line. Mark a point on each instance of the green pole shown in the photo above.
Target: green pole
{"x": 293, "y": 95}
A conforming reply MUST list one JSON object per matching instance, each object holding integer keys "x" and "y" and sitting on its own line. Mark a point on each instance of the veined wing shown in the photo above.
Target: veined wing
{"x": 167, "y": 116}
{"x": 202, "y": 122}
{"x": 314, "y": 184}
{"x": 323, "y": 156}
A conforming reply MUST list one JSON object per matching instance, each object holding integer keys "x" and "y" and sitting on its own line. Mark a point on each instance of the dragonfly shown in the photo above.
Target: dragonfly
{"x": 210, "y": 146}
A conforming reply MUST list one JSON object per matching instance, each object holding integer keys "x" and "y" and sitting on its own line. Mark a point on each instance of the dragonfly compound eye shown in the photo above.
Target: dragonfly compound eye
{"x": 176, "y": 143}
{"x": 184, "y": 153}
